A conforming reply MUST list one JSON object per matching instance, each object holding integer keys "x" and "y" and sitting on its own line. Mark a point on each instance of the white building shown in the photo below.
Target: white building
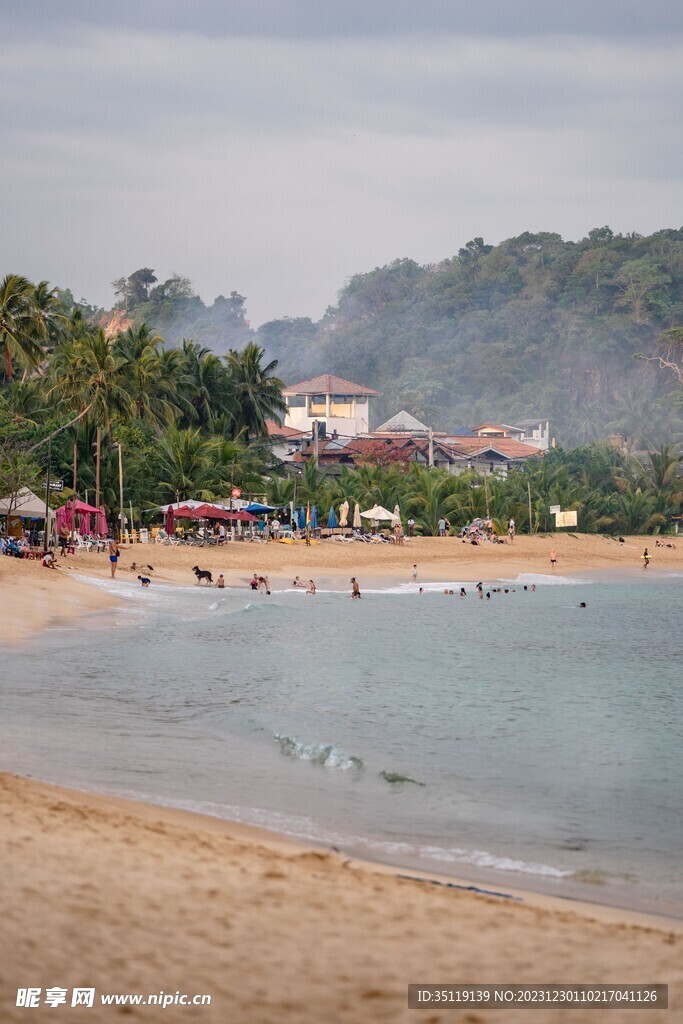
{"x": 340, "y": 404}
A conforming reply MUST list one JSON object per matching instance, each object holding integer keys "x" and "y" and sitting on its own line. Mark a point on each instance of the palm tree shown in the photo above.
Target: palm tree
{"x": 50, "y": 318}
{"x": 432, "y": 496}
{"x": 88, "y": 377}
{"x": 19, "y": 331}
{"x": 257, "y": 391}
{"x": 186, "y": 460}
{"x": 154, "y": 379}
{"x": 206, "y": 386}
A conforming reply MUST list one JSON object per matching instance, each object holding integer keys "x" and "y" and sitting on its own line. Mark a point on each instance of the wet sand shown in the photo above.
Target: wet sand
{"x": 127, "y": 897}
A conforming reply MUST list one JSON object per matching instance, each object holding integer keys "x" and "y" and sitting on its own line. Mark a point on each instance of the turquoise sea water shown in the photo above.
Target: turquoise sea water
{"x": 520, "y": 741}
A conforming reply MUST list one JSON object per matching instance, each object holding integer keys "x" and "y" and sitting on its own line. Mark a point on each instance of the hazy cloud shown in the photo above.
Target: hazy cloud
{"x": 279, "y": 155}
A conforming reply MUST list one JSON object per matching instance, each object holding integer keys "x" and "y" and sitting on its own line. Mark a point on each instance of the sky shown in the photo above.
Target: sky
{"x": 276, "y": 147}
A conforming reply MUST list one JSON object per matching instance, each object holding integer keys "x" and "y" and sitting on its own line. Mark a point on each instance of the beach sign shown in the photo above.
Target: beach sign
{"x": 554, "y": 509}
{"x": 55, "y": 485}
{"x": 566, "y": 518}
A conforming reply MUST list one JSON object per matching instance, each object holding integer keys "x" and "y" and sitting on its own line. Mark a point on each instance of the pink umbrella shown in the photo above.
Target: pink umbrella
{"x": 242, "y": 517}
{"x": 169, "y": 524}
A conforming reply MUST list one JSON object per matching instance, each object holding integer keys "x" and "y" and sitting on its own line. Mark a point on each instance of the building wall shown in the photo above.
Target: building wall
{"x": 348, "y": 416}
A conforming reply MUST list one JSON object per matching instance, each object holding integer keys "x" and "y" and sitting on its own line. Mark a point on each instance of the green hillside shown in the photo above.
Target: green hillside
{"x": 535, "y": 326}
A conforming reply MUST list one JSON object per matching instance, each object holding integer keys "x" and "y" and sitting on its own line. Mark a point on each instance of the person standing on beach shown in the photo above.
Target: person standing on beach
{"x": 413, "y": 575}
{"x": 411, "y": 526}
{"x": 442, "y": 527}
{"x": 553, "y": 558}
{"x": 310, "y": 589}
{"x": 355, "y": 589}
{"x": 646, "y": 558}
{"x": 511, "y": 530}
{"x": 114, "y": 552}
{"x": 64, "y": 534}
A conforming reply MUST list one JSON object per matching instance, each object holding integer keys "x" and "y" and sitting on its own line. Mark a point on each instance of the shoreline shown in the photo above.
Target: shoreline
{"x": 260, "y": 835}
{"x": 39, "y": 585}
{"x": 150, "y": 897}
{"x": 489, "y": 881}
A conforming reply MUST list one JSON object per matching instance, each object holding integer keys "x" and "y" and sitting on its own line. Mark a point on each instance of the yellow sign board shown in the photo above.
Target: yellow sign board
{"x": 566, "y": 518}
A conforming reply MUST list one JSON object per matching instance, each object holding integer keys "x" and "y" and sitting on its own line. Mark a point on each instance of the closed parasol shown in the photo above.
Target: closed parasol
{"x": 344, "y": 513}
{"x": 356, "y": 517}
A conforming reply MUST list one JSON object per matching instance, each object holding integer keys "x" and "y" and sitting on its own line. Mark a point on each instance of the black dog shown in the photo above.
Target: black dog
{"x": 203, "y": 574}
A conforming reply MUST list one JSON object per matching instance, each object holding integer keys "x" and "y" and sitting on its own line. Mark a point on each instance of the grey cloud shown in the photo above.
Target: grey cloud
{"x": 279, "y": 167}
{"x": 291, "y": 19}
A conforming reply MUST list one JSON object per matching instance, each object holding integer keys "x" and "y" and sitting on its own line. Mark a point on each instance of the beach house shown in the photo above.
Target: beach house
{"x": 339, "y": 406}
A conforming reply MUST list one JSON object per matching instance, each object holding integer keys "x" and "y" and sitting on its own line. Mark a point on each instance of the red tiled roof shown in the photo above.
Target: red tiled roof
{"x": 328, "y": 384}
{"x": 508, "y": 447}
{"x": 277, "y": 430}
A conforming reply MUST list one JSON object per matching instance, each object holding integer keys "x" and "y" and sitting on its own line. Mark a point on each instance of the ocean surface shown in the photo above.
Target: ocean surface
{"x": 520, "y": 741}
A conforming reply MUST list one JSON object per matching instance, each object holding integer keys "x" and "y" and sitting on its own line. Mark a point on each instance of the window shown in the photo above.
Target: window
{"x": 296, "y": 401}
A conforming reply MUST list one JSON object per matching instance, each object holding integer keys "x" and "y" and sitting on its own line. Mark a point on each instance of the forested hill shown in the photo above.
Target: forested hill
{"x": 535, "y": 326}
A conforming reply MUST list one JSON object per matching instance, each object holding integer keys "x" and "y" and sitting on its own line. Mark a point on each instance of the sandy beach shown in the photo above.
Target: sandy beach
{"x": 34, "y": 598}
{"x": 133, "y": 898}
{"x": 437, "y": 559}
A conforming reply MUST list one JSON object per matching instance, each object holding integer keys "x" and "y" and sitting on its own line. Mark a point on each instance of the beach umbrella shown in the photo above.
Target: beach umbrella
{"x": 211, "y": 512}
{"x": 332, "y": 519}
{"x": 302, "y": 518}
{"x": 356, "y": 517}
{"x": 379, "y": 514}
{"x": 344, "y": 513}
{"x": 186, "y": 513}
{"x": 242, "y": 517}
{"x": 169, "y": 522}
{"x": 397, "y": 512}
{"x": 314, "y": 518}
{"x": 256, "y": 506}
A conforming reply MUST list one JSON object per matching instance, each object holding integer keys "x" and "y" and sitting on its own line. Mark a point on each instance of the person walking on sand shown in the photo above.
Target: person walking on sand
{"x": 355, "y": 589}
{"x": 646, "y": 559}
{"x": 553, "y": 558}
{"x": 114, "y": 552}
{"x": 511, "y": 530}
